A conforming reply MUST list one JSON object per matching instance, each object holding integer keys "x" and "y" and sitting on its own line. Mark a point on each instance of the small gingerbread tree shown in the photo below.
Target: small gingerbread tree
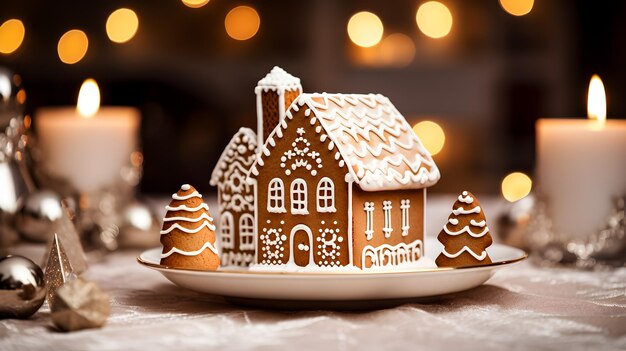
{"x": 188, "y": 234}
{"x": 465, "y": 236}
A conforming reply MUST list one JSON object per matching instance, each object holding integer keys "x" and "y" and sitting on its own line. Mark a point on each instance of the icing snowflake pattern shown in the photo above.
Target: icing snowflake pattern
{"x": 272, "y": 241}
{"x": 301, "y": 156}
{"x": 328, "y": 246}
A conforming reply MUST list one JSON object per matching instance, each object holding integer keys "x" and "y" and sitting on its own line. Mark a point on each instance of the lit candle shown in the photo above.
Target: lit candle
{"x": 581, "y": 167}
{"x": 87, "y": 145}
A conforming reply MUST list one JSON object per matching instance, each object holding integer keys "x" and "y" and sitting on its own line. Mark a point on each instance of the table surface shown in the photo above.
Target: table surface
{"x": 521, "y": 307}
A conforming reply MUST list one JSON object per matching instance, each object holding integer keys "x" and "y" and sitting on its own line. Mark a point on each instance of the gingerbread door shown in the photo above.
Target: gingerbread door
{"x": 301, "y": 249}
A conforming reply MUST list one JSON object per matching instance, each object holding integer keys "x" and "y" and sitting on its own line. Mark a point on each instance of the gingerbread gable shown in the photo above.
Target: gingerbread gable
{"x": 235, "y": 162}
{"x": 378, "y": 146}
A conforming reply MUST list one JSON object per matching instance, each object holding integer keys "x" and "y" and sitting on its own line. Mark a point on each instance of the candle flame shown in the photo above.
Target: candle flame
{"x": 596, "y": 100}
{"x": 88, "y": 99}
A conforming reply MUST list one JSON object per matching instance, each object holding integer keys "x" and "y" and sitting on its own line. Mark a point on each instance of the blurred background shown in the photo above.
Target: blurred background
{"x": 483, "y": 71}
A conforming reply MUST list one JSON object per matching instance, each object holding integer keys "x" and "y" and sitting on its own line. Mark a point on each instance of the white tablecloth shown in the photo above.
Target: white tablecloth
{"x": 521, "y": 307}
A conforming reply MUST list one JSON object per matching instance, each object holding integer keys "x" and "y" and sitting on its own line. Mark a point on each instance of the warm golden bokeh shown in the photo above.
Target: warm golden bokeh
{"x": 516, "y": 186}
{"x": 72, "y": 46}
{"x": 517, "y": 7}
{"x": 88, "y": 99}
{"x": 11, "y": 35}
{"x": 122, "y": 25}
{"x": 434, "y": 19}
{"x": 242, "y": 23}
{"x": 365, "y": 29}
{"x": 596, "y": 100}
{"x": 432, "y": 136}
{"x": 194, "y": 4}
{"x": 397, "y": 50}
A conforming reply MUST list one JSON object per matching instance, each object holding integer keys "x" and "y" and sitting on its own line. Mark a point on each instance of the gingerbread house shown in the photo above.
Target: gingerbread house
{"x": 339, "y": 181}
{"x": 236, "y": 200}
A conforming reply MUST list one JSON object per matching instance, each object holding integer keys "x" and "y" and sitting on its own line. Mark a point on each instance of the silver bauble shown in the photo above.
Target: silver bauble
{"x": 12, "y": 194}
{"x": 512, "y": 224}
{"x": 22, "y": 287}
{"x": 138, "y": 226}
{"x": 12, "y": 96}
{"x": 39, "y": 210}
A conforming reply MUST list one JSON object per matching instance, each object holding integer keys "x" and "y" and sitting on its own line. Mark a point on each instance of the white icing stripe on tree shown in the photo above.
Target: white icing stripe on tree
{"x": 466, "y": 198}
{"x": 467, "y": 230}
{"x": 460, "y": 210}
{"x": 188, "y": 209}
{"x": 174, "y": 250}
{"x": 187, "y": 219}
{"x": 206, "y": 224}
{"x": 478, "y": 224}
{"x": 480, "y": 257}
{"x": 186, "y": 197}
{"x": 453, "y": 221}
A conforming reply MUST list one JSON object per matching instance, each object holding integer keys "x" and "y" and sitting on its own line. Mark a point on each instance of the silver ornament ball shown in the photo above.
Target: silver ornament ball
{"x": 138, "y": 226}
{"x": 35, "y": 219}
{"x": 22, "y": 287}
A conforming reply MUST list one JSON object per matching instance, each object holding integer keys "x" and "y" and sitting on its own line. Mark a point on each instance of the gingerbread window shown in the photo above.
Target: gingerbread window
{"x": 298, "y": 197}
{"x": 226, "y": 229}
{"x": 387, "y": 213}
{"x": 246, "y": 232}
{"x": 369, "y": 220}
{"x": 326, "y": 195}
{"x": 404, "y": 206}
{"x": 275, "y": 196}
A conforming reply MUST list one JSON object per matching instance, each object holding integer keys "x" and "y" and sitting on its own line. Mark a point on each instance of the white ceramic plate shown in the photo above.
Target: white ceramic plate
{"x": 257, "y": 287}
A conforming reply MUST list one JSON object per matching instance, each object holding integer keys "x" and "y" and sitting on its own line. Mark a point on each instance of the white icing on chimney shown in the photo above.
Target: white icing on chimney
{"x": 280, "y": 81}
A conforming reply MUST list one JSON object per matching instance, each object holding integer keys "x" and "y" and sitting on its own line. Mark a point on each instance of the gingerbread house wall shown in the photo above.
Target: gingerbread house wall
{"x": 277, "y": 231}
{"x": 397, "y": 248}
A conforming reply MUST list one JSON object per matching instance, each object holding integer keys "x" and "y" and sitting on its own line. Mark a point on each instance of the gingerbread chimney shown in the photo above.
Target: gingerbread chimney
{"x": 274, "y": 94}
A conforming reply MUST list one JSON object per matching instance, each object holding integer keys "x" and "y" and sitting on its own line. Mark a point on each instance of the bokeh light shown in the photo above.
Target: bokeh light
{"x": 242, "y": 23}
{"x": 194, "y": 4}
{"x": 434, "y": 19}
{"x": 72, "y": 46}
{"x": 397, "y": 50}
{"x": 365, "y": 29}
{"x": 516, "y": 186}
{"x": 11, "y": 35}
{"x": 122, "y": 25}
{"x": 517, "y": 7}
{"x": 432, "y": 136}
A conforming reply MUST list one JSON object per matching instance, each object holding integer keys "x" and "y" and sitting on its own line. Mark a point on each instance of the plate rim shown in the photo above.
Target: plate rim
{"x": 164, "y": 268}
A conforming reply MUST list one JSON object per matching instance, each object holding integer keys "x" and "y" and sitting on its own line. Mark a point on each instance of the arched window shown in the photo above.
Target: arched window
{"x": 226, "y": 231}
{"x": 298, "y": 197}
{"x": 275, "y": 193}
{"x": 326, "y": 195}
{"x": 246, "y": 232}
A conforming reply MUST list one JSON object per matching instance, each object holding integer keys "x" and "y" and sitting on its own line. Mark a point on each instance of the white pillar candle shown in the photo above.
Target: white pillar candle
{"x": 581, "y": 169}
{"x": 88, "y": 151}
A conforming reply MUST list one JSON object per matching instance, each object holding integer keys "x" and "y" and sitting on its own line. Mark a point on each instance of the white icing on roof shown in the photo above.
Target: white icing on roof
{"x": 242, "y": 142}
{"x": 278, "y": 78}
{"x": 377, "y": 144}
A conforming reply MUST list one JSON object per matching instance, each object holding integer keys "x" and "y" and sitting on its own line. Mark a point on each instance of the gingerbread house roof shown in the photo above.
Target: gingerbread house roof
{"x": 372, "y": 138}
{"x": 232, "y": 157}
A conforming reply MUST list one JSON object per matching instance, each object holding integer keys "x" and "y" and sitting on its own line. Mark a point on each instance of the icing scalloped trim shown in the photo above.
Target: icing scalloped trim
{"x": 467, "y": 230}
{"x": 188, "y": 209}
{"x": 461, "y": 210}
{"x": 187, "y": 219}
{"x": 186, "y": 197}
{"x": 465, "y": 198}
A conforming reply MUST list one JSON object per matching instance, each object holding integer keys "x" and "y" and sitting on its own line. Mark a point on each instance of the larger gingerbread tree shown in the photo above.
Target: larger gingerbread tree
{"x": 188, "y": 234}
{"x": 466, "y": 235}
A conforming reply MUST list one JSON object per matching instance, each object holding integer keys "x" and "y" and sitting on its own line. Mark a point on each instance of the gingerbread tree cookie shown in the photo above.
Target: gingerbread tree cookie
{"x": 466, "y": 235}
{"x": 188, "y": 234}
